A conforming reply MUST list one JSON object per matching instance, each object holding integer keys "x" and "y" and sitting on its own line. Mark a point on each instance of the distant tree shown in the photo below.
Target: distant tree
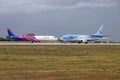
{"x": 2, "y": 39}
{"x": 112, "y": 42}
{"x": 9, "y": 39}
{"x": 30, "y": 34}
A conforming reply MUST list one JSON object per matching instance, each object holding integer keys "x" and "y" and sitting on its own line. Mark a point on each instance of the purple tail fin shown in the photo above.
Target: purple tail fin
{"x": 10, "y": 33}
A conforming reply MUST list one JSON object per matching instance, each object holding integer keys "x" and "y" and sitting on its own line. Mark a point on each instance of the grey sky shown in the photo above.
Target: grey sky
{"x": 59, "y": 17}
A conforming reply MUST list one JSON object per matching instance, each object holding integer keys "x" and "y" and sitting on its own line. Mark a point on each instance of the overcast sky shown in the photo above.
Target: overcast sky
{"x": 59, "y": 17}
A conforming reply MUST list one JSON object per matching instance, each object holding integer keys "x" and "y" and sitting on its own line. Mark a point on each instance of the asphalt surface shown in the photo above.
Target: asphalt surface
{"x": 48, "y": 43}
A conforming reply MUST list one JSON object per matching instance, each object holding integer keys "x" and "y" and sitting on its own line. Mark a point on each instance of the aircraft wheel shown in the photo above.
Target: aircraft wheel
{"x": 79, "y": 42}
{"x": 86, "y": 42}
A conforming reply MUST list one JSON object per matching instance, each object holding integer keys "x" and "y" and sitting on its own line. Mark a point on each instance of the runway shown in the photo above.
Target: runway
{"x": 54, "y": 44}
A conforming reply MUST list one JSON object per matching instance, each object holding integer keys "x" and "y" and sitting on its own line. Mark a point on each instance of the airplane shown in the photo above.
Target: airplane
{"x": 83, "y": 38}
{"x": 29, "y": 38}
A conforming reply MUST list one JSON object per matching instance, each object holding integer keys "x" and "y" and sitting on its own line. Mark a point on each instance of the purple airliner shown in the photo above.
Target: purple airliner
{"x": 29, "y": 38}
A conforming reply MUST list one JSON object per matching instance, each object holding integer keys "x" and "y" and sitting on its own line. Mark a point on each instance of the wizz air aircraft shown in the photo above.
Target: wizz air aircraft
{"x": 83, "y": 38}
{"x": 29, "y": 38}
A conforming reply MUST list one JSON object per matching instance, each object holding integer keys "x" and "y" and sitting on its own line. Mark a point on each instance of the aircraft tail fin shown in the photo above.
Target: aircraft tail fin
{"x": 10, "y": 33}
{"x": 100, "y": 30}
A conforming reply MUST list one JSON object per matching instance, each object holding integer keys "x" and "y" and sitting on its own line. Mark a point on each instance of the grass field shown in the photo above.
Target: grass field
{"x": 59, "y": 62}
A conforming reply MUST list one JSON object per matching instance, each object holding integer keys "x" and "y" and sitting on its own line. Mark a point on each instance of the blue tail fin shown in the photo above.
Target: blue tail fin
{"x": 100, "y": 31}
{"x": 10, "y": 33}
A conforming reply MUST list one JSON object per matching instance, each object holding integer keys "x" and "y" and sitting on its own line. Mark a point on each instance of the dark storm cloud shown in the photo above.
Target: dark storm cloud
{"x": 32, "y": 6}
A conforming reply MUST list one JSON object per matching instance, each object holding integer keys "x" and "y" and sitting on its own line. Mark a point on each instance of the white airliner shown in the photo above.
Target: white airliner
{"x": 83, "y": 38}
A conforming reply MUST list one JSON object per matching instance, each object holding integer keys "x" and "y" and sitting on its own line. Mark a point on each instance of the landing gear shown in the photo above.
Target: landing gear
{"x": 79, "y": 42}
{"x": 82, "y": 42}
{"x": 86, "y": 42}
{"x": 32, "y": 41}
{"x": 64, "y": 42}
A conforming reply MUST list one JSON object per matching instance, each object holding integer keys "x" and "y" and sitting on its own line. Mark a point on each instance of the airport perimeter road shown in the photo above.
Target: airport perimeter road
{"x": 64, "y": 44}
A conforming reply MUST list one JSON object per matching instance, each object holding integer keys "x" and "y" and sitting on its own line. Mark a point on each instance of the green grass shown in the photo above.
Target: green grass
{"x": 59, "y": 62}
